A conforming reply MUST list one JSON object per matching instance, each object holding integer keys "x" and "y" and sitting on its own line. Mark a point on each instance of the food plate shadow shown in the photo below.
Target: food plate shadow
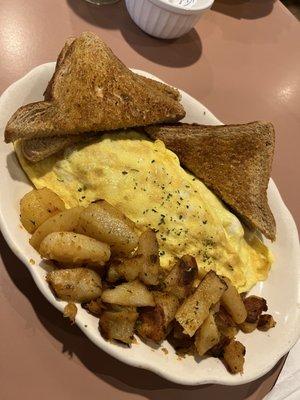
{"x": 129, "y": 379}
{"x": 244, "y": 9}
{"x": 177, "y": 53}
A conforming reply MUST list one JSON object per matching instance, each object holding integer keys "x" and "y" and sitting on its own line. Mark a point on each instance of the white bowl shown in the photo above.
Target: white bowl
{"x": 164, "y": 18}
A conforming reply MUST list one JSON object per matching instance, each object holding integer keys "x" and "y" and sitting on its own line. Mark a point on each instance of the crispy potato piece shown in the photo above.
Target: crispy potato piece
{"x": 178, "y": 339}
{"x": 37, "y": 206}
{"x": 74, "y": 249}
{"x": 195, "y": 309}
{"x": 118, "y": 325}
{"x": 76, "y": 284}
{"x": 127, "y": 269}
{"x": 153, "y": 323}
{"x": 94, "y": 307}
{"x": 207, "y": 335}
{"x": 145, "y": 264}
{"x": 169, "y": 303}
{"x": 129, "y": 294}
{"x": 255, "y": 306}
{"x": 225, "y": 324}
{"x": 148, "y": 250}
{"x": 233, "y": 303}
{"x": 70, "y": 312}
{"x": 234, "y": 356}
{"x": 181, "y": 278}
{"x": 66, "y": 221}
{"x": 218, "y": 349}
{"x": 265, "y": 322}
{"x": 105, "y": 223}
{"x": 248, "y": 327}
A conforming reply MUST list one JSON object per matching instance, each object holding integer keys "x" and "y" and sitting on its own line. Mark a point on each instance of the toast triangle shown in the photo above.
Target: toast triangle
{"x": 92, "y": 90}
{"x": 234, "y": 161}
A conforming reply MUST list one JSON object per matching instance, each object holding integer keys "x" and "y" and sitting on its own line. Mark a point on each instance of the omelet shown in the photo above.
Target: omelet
{"x": 146, "y": 182}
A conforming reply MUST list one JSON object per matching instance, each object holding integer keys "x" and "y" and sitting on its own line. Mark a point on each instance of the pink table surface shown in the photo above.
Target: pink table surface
{"x": 243, "y": 62}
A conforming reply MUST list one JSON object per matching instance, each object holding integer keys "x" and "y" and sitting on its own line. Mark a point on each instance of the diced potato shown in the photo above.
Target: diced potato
{"x": 74, "y": 249}
{"x": 178, "y": 339}
{"x": 94, "y": 307}
{"x": 218, "y": 349}
{"x": 255, "y": 306}
{"x": 66, "y": 221}
{"x": 70, "y": 312}
{"x": 248, "y": 327}
{"x": 266, "y": 322}
{"x": 129, "y": 294}
{"x": 148, "y": 249}
{"x": 169, "y": 303}
{"x": 76, "y": 284}
{"x": 233, "y": 303}
{"x": 105, "y": 223}
{"x": 118, "y": 325}
{"x": 195, "y": 309}
{"x": 37, "y": 206}
{"x": 181, "y": 278}
{"x": 127, "y": 269}
{"x": 225, "y": 324}
{"x": 234, "y": 356}
{"x": 151, "y": 324}
{"x": 207, "y": 335}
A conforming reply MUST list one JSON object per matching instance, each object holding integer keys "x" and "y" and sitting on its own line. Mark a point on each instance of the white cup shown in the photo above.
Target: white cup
{"x": 167, "y": 19}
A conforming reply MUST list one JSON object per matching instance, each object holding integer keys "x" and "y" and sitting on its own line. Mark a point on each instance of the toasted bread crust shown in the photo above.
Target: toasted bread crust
{"x": 92, "y": 91}
{"x": 234, "y": 161}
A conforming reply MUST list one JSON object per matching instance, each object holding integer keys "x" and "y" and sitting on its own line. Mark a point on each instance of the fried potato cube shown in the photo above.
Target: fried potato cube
{"x": 127, "y": 269}
{"x": 248, "y": 327}
{"x": 118, "y": 325}
{"x": 66, "y": 221}
{"x": 265, "y": 322}
{"x": 218, "y": 349}
{"x": 129, "y": 294}
{"x": 195, "y": 309}
{"x": 234, "y": 356}
{"x": 149, "y": 261}
{"x": 169, "y": 303}
{"x": 225, "y": 324}
{"x": 181, "y": 278}
{"x": 207, "y": 335}
{"x": 37, "y": 206}
{"x": 233, "y": 303}
{"x": 178, "y": 339}
{"x": 94, "y": 307}
{"x": 255, "y": 306}
{"x": 75, "y": 285}
{"x": 105, "y": 223}
{"x": 70, "y": 312}
{"x": 74, "y": 249}
{"x": 153, "y": 323}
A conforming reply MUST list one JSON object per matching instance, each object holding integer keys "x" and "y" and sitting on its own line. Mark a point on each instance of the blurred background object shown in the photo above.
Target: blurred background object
{"x": 293, "y": 6}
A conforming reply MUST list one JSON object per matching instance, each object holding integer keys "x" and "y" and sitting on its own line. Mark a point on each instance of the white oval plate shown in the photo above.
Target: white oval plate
{"x": 282, "y": 289}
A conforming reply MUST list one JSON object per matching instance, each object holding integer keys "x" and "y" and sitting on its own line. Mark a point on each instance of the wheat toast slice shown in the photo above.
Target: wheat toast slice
{"x": 92, "y": 91}
{"x": 234, "y": 161}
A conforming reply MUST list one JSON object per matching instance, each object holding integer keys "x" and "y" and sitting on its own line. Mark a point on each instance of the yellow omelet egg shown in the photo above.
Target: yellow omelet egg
{"x": 146, "y": 182}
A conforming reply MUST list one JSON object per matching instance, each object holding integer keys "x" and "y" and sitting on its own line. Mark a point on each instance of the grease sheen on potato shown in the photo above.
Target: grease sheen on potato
{"x": 64, "y": 221}
{"x": 105, "y": 223}
{"x": 37, "y": 206}
{"x": 74, "y": 249}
